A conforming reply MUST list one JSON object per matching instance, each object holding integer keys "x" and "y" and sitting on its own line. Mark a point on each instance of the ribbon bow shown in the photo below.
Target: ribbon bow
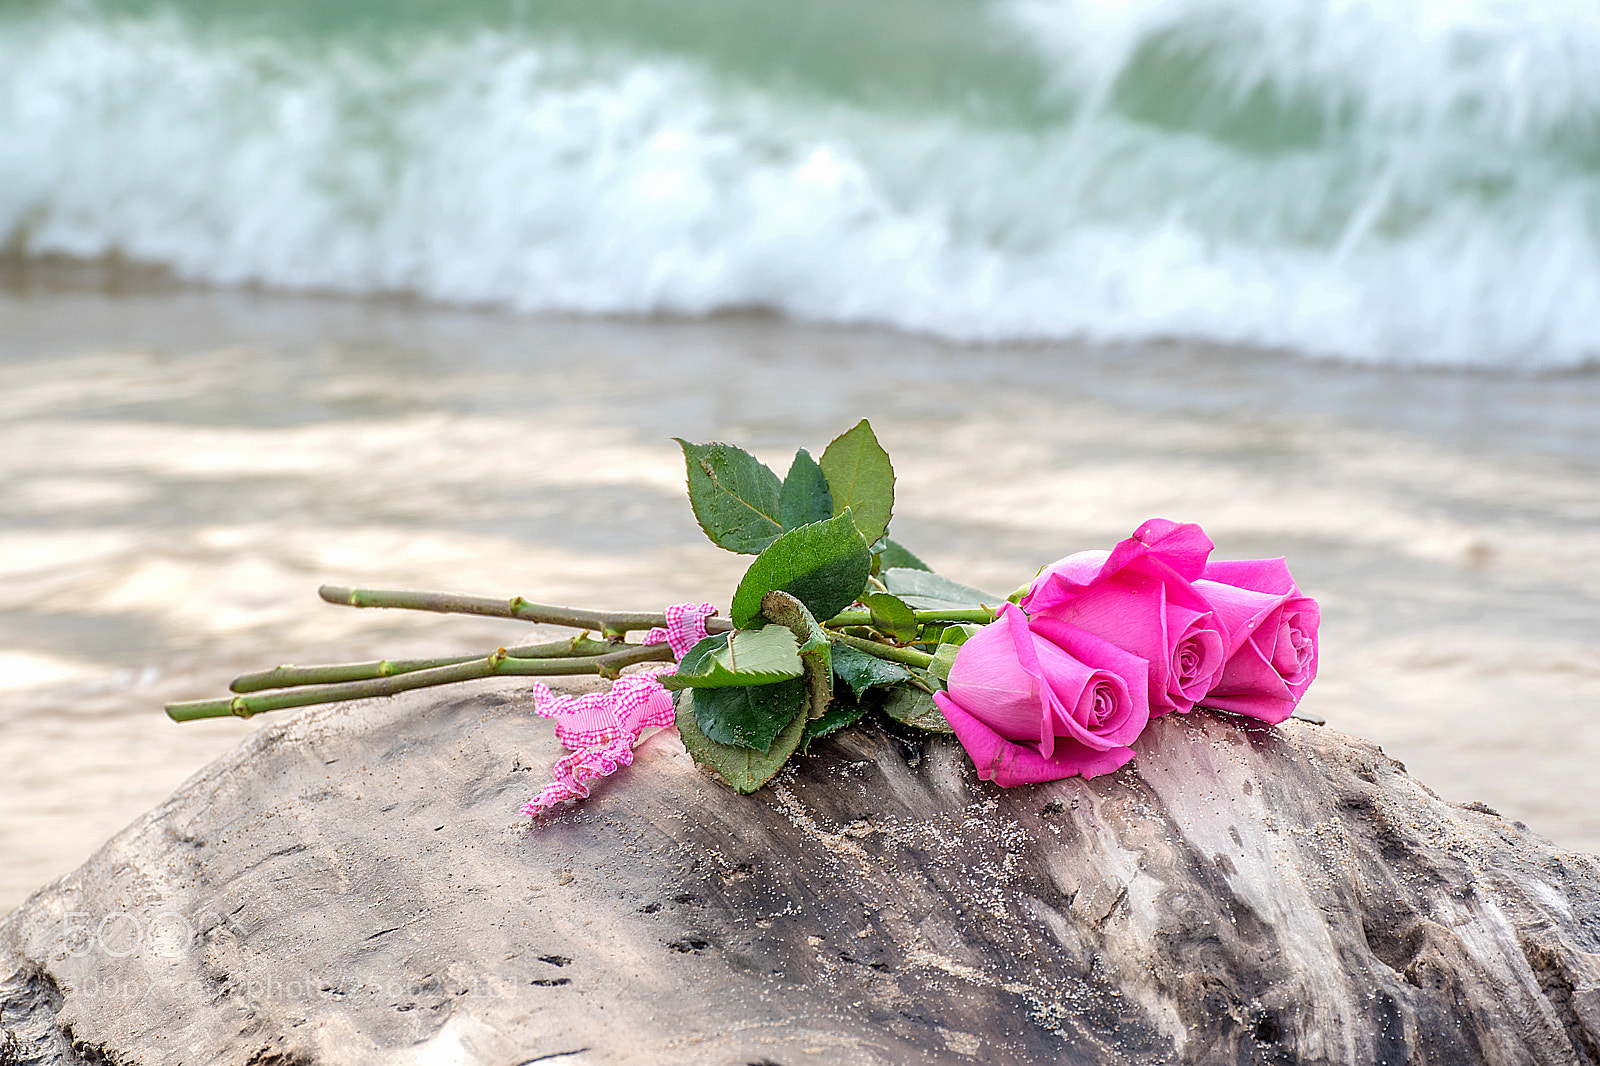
{"x": 600, "y": 729}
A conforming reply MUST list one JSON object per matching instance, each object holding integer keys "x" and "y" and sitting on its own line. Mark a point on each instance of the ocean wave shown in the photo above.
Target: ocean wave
{"x": 1405, "y": 182}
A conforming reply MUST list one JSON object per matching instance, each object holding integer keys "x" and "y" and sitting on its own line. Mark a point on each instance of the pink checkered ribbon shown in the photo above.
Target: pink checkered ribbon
{"x": 686, "y": 627}
{"x": 600, "y": 729}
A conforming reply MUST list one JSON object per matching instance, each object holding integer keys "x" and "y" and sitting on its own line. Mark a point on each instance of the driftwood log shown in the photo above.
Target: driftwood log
{"x": 352, "y": 885}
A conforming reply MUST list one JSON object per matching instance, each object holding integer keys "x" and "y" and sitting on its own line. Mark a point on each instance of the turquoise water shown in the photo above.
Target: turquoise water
{"x": 1400, "y": 182}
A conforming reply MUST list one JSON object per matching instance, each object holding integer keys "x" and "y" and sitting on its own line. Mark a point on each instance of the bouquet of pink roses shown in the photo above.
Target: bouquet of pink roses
{"x": 834, "y": 622}
{"x": 1064, "y": 681}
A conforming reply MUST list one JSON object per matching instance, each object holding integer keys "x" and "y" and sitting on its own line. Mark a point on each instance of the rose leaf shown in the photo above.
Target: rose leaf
{"x": 747, "y": 657}
{"x": 804, "y": 498}
{"x": 846, "y": 710}
{"x": 742, "y": 767}
{"x": 861, "y": 479}
{"x": 927, "y": 591}
{"x": 861, "y": 671}
{"x": 823, "y": 565}
{"x": 749, "y": 716}
{"x": 915, "y": 708}
{"x": 891, "y": 615}
{"x": 896, "y": 554}
{"x": 734, "y": 495}
{"x": 815, "y": 647}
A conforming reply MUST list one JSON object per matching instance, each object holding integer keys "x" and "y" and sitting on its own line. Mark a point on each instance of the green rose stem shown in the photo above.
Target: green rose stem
{"x": 904, "y": 656}
{"x": 500, "y": 664}
{"x": 980, "y": 615}
{"x": 610, "y": 624}
{"x": 291, "y": 676}
{"x": 303, "y": 686}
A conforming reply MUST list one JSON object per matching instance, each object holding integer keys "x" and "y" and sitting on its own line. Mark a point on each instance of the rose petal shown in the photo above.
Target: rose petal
{"x": 1251, "y": 686}
{"x": 1008, "y": 763}
{"x": 1131, "y": 611}
{"x": 1180, "y": 548}
{"x": 1062, "y": 579}
{"x": 1126, "y": 610}
{"x": 1239, "y": 610}
{"x": 1075, "y": 721}
{"x": 1162, "y": 549}
{"x": 1108, "y": 661}
{"x": 1272, "y": 637}
{"x": 1257, "y": 575}
{"x": 1004, "y": 676}
{"x": 1199, "y": 654}
{"x": 1295, "y": 656}
{"x": 1252, "y": 705}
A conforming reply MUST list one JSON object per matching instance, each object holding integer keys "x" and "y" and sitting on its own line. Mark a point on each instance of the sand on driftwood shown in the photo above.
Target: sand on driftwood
{"x": 352, "y": 885}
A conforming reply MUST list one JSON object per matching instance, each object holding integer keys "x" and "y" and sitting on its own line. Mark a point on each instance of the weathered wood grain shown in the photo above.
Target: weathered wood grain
{"x": 353, "y": 886}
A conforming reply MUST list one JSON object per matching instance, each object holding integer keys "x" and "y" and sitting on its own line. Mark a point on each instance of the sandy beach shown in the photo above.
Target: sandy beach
{"x": 184, "y": 467}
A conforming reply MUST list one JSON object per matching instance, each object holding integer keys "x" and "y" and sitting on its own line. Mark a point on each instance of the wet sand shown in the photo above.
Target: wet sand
{"x": 182, "y": 469}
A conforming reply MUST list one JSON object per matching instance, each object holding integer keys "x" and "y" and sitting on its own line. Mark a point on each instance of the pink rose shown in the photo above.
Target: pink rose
{"x": 1140, "y": 596}
{"x": 1031, "y": 709}
{"x": 1272, "y": 637}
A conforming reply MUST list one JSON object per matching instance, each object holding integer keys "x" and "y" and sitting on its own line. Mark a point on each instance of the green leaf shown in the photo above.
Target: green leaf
{"x": 935, "y": 633}
{"x": 815, "y": 647}
{"x": 804, "y": 498}
{"x": 890, "y": 615}
{"x": 927, "y": 591}
{"x": 750, "y": 715}
{"x": 958, "y": 633}
{"x": 915, "y": 708}
{"x": 743, "y": 768}
{"x": 823, "y": 565}
{"x": 845, "y": 711}
{"x": 861, "y": 480}
{"x": 896, "y": 554}
{"x": 861, "y": 671}
{"x": 950, "y": 640}
{"x": 734, "y": 496}
{"x": 748, "y": 657}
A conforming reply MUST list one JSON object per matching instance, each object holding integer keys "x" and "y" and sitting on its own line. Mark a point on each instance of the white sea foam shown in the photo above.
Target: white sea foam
{"x": 1409, "y": 182}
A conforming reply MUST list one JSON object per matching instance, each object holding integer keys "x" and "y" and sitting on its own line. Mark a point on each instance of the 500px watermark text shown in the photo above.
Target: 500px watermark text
{"x": 161, "y": 934}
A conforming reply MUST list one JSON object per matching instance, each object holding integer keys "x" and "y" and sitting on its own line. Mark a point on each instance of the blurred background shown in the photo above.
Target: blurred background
{"x": 415, "y": 293}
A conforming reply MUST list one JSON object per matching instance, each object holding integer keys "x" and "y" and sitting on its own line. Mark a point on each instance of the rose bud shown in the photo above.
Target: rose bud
{"x": 1140, "y": 596}
{"x": 1272, "y": 637}
{"x": 1030, "y": 709}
